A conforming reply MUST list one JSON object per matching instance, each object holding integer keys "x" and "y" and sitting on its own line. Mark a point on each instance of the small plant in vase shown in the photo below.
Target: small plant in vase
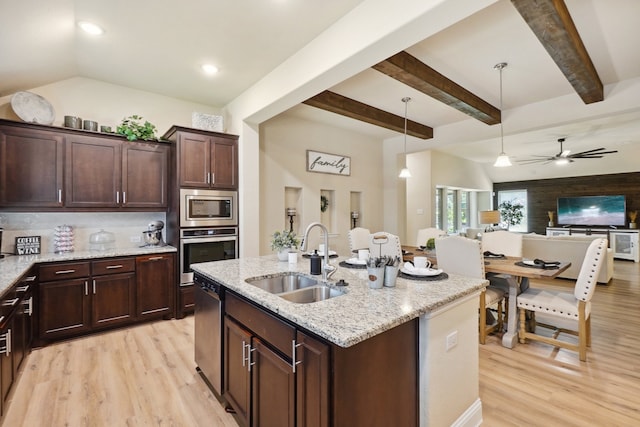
{"x": 632, "y": 219}
{"x": 283, "y": 242}
{"x": 550, "y": 214}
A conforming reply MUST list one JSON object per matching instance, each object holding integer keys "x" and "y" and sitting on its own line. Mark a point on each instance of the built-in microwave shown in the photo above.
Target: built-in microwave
{"x": 208, "y": 208}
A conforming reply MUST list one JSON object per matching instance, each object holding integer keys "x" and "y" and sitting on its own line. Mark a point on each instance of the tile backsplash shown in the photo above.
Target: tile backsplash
{"x": 127, "y": 227}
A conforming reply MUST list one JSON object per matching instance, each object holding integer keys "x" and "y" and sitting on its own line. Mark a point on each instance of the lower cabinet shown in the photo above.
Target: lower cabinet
{"x": 270, "y": 383}
{"x": 76, "y": 298}
{"x": 277, "y": 374}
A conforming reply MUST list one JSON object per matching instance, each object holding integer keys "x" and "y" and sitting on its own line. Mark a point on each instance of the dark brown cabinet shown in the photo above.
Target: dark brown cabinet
{"x": 205, "y": 159}
{"x": 113, "y": 292}
{"x": 31, "y": 168}
{"x": 156, "y": 284}
{"x": 111, "y": 174}
{"x": 75, "y": 298}
{"x": 273, "y": 373}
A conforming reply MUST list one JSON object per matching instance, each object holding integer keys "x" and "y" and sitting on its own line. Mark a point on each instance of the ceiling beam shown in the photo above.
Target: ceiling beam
{"x": 412, "y": 72}
{"x": 336, "y": 103}
{"x": 552, "y": 24}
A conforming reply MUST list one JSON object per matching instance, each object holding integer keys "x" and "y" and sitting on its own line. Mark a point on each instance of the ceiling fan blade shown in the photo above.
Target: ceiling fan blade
{"x": 595, "y": 150}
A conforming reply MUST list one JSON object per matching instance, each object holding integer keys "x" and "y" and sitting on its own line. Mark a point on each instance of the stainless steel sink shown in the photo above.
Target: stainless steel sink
{"x": 295, "y": 287}
{"x": 313, "y": 294}
{"x": 283, "y": 282}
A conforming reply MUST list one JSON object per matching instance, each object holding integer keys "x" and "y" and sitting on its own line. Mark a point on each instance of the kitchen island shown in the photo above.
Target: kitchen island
{"x": 441, "y": 345}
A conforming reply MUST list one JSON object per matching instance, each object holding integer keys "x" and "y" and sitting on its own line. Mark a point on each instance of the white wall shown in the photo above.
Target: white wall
{"x": 283, "y": 144}
{"x": 108, "y": 104}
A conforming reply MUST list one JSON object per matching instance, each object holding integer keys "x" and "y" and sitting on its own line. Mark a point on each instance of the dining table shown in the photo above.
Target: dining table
{"x": 408, "y": 252}
{"x": 517, "y": 275}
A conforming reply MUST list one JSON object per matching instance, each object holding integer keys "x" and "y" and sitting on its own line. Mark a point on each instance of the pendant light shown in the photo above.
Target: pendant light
{"x": 503, "y": 159}
{"x": 405, "y": 173}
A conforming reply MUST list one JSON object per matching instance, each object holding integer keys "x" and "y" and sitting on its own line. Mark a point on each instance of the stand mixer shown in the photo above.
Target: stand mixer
{"x": 153, "y": 235}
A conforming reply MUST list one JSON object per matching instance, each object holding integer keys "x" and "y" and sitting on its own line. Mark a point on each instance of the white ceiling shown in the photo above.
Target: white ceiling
{"x": 158, "y": 46}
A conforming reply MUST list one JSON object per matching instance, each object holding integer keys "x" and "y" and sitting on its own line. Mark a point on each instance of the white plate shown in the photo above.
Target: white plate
{"x": 356, "y": 261}
{"x": 32, "y": 108}
{"x": 422, "y": 272}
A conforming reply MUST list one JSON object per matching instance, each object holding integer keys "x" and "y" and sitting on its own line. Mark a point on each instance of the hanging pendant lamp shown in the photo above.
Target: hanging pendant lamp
{"x": 405, "y": 173}
{"x": 503, "y": 159}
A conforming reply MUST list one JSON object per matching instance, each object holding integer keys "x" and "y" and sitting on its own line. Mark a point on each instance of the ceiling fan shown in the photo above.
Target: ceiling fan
{"x": 563, "y": 156}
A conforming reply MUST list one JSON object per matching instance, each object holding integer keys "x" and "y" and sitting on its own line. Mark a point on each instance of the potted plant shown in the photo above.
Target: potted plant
{"x": 133, "y": 128}
{"x": 511, "y": 212}
{"x": 283, "y": 242}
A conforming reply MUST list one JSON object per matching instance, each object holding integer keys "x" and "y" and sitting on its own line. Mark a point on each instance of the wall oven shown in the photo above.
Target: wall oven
{"x": 208, "y": 208}
{"x": 204, "y": 245}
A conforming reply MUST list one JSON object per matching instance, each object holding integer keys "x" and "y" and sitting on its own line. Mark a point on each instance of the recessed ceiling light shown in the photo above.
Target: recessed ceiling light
{"x": 90, "y": 28}
{"x": 209, "y": 69}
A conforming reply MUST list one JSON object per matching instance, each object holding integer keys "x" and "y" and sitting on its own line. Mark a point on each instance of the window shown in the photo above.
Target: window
{"x": 452, "y": 209}
{"x": 438, "y": 209}
{"x": 516, "y": 196}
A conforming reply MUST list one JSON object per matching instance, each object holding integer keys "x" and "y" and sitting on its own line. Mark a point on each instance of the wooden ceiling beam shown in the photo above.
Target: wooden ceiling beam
{"x": 336, "y": 103}
{"x": 412, "y": 72}
{"x": 552, "y": 24}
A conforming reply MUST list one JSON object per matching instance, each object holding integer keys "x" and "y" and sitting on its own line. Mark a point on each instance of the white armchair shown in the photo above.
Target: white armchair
{"x": 358, "y": 238}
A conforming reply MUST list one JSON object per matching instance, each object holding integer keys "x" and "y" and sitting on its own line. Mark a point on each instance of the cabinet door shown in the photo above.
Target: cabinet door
{"x": 312, "y": 381}
{"x": 273, "y": 388}
{"x": 155, "y": 286}
{"x": 6, "y": 361}
{"x": 224, "y": 161}
{"x": 30, "y": 168}
{"x": 237, "y": 386}
{"x": 92, "y": 172}
{"x": 145, "y": 171}
{"x": 113, "y": 299}
{"x": 193, "y": 154}
{"x": 63, "y": 308}
{"x": 23, "y": 330}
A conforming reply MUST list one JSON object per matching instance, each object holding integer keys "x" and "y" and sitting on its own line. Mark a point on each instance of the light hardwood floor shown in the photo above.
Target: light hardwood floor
{"x": 145, "y": 375}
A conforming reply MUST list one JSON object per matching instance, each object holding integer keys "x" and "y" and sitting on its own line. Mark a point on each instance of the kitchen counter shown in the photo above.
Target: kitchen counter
{"x": 347, "y": 319}
{"x": 12, "y": 267}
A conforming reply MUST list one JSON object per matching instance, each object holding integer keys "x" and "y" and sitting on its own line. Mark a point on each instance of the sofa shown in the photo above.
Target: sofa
{"x": 565, "y": 248}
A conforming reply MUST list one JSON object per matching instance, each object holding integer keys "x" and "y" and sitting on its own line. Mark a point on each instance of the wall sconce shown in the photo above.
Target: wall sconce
{"x": 291, "y": 212}
{"x": 354, "y": 218}
{"x": 490, "y": 218}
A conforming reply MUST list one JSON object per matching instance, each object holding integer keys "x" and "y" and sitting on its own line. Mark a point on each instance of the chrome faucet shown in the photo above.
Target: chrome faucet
{"x": 327, "y": 268}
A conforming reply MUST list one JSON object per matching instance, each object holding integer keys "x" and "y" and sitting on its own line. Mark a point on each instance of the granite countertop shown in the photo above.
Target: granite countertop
{"x": 347, "y": 319}
{"x": 12, "y": 267}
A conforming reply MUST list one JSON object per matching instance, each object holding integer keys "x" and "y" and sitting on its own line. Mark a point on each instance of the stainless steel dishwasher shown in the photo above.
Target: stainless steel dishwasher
{"x": 209, "y": 300}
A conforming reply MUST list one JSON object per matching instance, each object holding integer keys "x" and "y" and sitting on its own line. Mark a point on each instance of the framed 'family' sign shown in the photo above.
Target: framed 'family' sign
{"x": 328, "y": 163}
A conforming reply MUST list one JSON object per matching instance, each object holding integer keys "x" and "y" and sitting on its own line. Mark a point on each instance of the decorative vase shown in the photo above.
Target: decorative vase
{"x": 632, "y": 225}
{"x": 283, "y": 254}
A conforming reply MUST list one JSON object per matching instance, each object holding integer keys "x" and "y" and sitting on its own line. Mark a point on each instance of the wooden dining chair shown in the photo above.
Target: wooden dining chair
{"x": 459, "y": 255}
{"x": 572, "y": 308}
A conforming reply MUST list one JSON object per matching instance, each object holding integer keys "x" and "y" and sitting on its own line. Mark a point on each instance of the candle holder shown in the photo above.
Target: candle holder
{"x": 291, "y": 212}
{"x": 354, "y": 218}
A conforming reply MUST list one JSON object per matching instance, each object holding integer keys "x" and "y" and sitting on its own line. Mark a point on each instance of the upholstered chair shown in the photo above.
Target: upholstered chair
{"x": 384, "y": 244}
{"x": 502, "y": 242}
{"x": 425, "y": 234}
{"x": 570, "y": 311}
{"x": 459, "y": 255}
{"x": 358, "y": 238}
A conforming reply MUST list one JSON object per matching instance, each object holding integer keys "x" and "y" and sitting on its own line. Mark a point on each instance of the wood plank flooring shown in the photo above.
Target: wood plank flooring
{"x": 145, "y": 375}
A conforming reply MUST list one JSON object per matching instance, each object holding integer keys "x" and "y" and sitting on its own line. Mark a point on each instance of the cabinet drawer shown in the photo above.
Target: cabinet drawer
{"x": 268, "y": 327}
{"x": 64, "y": 270}
{"x": 112, "y": 266}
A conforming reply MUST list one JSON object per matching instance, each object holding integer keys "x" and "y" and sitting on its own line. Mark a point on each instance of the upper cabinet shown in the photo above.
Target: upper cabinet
{"x": 31, "y": 167}
{"x": 205, "y": 159}
{"x": 47, "y": 167}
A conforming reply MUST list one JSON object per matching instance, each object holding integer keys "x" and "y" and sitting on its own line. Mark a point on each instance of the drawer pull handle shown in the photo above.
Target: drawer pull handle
{"x": 22, "y": 288}
{"x": 155, "y": 258}
{"x": 30, "y": 279}
{"x": 294, "y": 362}
{"x": 112, "y": 267}
{"x": 65, "y": 271}
{"x": 10, "y": 303}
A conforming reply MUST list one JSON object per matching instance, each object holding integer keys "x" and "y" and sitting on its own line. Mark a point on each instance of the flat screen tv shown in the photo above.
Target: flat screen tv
{"x": 592, "y": 210}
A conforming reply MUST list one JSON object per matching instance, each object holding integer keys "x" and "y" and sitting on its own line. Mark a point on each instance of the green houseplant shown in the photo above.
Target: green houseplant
{"x": 133, "y": 128}
{"x": 283, "y": 241}
{"x": 511, "y": 212}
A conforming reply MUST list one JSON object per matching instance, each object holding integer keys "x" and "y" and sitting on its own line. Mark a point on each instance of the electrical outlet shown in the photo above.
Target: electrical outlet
{"x": 452, "y": 340}
{"x": 135, "y": 239}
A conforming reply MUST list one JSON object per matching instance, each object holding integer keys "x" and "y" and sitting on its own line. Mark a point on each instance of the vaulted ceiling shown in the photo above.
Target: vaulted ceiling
{"x": 581, "y": 56}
